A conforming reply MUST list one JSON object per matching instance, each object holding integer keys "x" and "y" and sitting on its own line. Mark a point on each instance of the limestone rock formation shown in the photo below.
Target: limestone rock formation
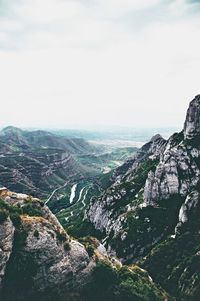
{"x": 142, "y": 205}
{"x": 178, "y": 170}
{"x": 192, "y": 122}
{"x": 39, "y": 261}
{"x": 6, "y": 243}
{"x": 101, "y": 210}
{"x": 189, "y": 210}
{"x": 37, "y": 257}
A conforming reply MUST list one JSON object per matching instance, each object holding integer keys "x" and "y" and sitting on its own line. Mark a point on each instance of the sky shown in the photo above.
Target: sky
{"x": 98, "y": 63}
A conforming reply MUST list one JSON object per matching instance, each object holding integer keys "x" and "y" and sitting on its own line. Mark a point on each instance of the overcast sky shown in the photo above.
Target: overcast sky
{"x": 72, "y": 63}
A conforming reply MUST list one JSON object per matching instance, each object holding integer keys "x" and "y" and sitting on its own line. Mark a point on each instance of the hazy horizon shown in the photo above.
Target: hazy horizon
{"x": 115, "y": 136}
{"x": 86, "y": 64}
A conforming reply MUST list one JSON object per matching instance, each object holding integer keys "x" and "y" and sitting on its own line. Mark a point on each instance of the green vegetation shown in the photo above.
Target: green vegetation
{"x": 67, "y": 246}
{"x": 175, "y": 263}
{"x": 133, "y": 186}
{"x": 90, "y": 243}
{"x": 82, "y": 228}
{"x": 20, "y": 270}
{"x": 7, "y": 210}
{"x": 122, "y": 284}
{"x": 14, "y": 211}
{"x": 61, "y": 236}
{"x": 3, "y": 215}
{"x": 32, "y": 209}
{"x": 106, "y": 159}
{"x": 146, "y": 226}
{"x": 36, "y": 234}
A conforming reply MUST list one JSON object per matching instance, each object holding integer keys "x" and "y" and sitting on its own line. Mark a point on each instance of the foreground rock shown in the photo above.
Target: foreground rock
{"x": 38, "y": 259}
{"x": 37, "y": 162}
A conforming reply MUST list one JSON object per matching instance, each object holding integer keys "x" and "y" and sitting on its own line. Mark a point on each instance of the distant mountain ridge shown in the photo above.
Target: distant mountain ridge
{"x": 37, "y": 162}
{"x": 18, "y": 139}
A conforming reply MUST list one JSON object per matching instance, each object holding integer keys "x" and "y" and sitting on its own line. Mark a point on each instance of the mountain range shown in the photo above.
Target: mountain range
{"x": 150, "y": 213}
{"x": 38, "y": 162}
{"x": 131, "y": 234}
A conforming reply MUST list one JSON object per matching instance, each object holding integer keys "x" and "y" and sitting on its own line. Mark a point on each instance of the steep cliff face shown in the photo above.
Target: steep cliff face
{"x": 38, "y": 259}
{"x": 141, "y": 207}
{"x": 192, "y": 122}
{"x": 126, "y": 184}
{"x": 176, "y": 174}
{"x": 6, "y": 243}
{"x": 179, "y": 168}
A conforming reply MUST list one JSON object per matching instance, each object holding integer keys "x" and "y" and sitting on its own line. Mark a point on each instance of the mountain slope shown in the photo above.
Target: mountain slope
{"x": 39, "y": 261}
{"x": 152, "y": 209}
{"x": 38, "y": 162}
{"x": 18, "y": 139}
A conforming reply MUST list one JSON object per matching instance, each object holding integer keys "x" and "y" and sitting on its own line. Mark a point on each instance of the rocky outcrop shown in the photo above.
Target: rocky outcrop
{"x": 102, "y": 211}
{"x": 178, "y": 170}
{"x": 38, "y": 259}
{"x": 176, "y": 174}
{"x": 192, "y": 122}
{"x": 6, "y": 243}
{"x": 189, "y": 210}
{"x": 142, "y": 205}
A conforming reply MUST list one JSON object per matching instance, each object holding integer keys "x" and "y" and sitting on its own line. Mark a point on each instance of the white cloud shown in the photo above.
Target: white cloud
{"x": 98, "y": 62}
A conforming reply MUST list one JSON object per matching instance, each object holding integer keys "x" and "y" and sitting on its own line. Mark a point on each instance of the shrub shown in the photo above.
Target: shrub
{"x": 90, "y": 243}
{"x": 67, "y": 246}
{"x": 32, "y": 210}
{"x": 3, "y": 215}
{"x": 61, "y": 236}
{"x": 122, "y": 284}
{"x": 15, "y": 217}
{"x": 104, "y": 274}
{"x": 90, "y": 249}
{"x": 36, "y": 234}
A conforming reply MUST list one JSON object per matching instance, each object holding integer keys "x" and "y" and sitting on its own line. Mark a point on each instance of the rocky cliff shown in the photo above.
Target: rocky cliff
{"x": 153, "y": 194}
{"x": 192, "y": 122}
{"x": 126, "y": 185}
{"x": 39, "y": 261}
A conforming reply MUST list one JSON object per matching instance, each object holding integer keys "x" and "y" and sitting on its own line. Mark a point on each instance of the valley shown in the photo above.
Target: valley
{"x": 127, "y": 218}
{"x": 40, "y": 163}
{"x": 146, "y": 211}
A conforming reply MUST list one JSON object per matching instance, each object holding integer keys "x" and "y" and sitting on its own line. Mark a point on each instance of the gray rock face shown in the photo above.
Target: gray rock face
{"x": 188, "y": 209}
{"x": 57, "y": 269}
{"x": 176, "y": 174}
{"x": 101, "y": 212}
{"x": 192, "y": 122}
{"x": 6, "y": 243}
{"x": 159, "y": 178}
{"x": 39, "y": 255}
{"x": 178, "y": 170}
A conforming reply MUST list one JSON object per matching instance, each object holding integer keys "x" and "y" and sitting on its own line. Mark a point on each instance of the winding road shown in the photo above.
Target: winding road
{"x": 52, "y": 194}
